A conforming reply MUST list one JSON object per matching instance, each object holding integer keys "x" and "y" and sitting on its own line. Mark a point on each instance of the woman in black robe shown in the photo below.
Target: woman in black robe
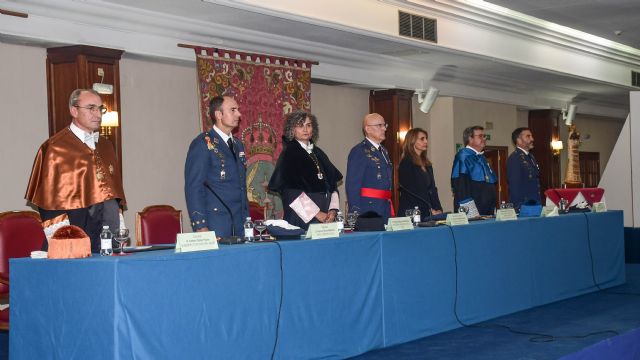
{"x": 304, "y": 176}
{"x": 415, "y": 175}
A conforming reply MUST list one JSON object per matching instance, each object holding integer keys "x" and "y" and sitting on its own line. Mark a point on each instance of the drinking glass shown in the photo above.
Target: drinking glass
{"x": 409, "y": 213}
{"x": 351, "y": 219}
{"x": 260, "y": 226}
{"x": 121, "y": 236}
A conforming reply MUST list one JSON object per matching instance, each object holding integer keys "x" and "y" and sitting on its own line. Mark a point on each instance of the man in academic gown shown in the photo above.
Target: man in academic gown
{"x": 75, "y": 177}
{"x": 471, "y": 175}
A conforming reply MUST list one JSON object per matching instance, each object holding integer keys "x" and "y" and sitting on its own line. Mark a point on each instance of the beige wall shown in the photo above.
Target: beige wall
{"x": 602, "y": 134}
{"x": 472, "y": 112}
{"x": 340, "y": 111}
{"x": 159, "y": 120}
{"x": 23, "y": 100}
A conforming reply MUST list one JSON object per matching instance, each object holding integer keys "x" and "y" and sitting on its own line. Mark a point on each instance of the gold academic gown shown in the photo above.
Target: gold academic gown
{"x": 68, "y": 175}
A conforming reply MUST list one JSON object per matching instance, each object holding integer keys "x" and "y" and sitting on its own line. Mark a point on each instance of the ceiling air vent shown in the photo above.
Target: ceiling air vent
{"x": 635, "y": 78}
{"x": 418, "y": 27}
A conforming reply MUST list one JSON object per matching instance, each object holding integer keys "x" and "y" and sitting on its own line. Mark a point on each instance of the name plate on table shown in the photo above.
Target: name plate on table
{"x": 599, "y": 207}
{"x": 196, "y": 241}
{"x": 549, "y": 211}
{"x": 455, "y": 219}
{"x": 506, "y": 214}
{"x": 399, "y": 223}
{"x": 322, "y": 231}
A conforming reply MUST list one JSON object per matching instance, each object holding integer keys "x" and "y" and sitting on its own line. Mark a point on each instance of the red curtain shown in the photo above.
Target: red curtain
{"x": 266, "y": 89}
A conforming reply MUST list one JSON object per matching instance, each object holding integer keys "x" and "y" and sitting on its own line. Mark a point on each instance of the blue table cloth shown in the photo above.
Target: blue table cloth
{"x": 329, "y": 298}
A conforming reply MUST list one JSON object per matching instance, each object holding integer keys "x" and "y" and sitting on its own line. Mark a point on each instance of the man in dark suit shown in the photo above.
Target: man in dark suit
{"x": 369, "y": 171}
{"x": 523, "y": 173}
{"x": 215, "y": 173}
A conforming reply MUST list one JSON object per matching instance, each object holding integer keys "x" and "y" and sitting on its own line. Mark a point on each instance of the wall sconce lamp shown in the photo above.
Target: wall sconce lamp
{"x": 556, "y": 145}
{"x": 109, "y": 120}
{"x": 426, "y": 98}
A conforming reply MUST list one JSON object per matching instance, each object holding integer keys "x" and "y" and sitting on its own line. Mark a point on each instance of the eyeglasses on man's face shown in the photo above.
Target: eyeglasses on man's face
{"x": 93, "y": 108}
{"x": 481, "y": 136}
{"x": 380, "y": 126}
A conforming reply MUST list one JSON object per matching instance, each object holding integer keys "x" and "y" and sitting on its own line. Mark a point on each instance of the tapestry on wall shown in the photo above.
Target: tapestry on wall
{"x": 266, "y": 88}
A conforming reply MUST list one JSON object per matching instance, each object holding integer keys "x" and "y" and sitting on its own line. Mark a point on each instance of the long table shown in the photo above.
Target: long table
{"x": 330, "y": 298}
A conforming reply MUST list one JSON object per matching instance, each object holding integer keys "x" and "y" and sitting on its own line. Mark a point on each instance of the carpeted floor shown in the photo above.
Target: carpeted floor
{"x": 603, "y": 314}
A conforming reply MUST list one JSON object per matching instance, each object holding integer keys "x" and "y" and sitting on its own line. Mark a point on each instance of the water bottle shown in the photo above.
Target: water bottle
{"x": 340, "y": 221}
{"x": 248, "y": 229}
{"x": 106, "y": 238}
{"x": 416, "y": 216}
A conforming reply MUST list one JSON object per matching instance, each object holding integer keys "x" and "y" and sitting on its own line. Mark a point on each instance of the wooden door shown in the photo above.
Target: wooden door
{"x": 497, "y": 158}
{"x": 590, "y": 168}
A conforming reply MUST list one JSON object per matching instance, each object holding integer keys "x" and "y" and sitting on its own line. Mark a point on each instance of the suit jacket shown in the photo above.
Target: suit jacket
{"x": 368, "y": 168}
{"x": 422, "y": 186}
{"x": 210, "y": 160}
{"x": 523, "y": 177}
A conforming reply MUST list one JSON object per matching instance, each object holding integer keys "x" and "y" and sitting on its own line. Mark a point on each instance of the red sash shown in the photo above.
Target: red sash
{"x": 378, "y": 194}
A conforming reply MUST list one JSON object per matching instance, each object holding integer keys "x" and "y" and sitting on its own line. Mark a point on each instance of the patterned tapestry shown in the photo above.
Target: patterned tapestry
{"x": 266, "y": 88}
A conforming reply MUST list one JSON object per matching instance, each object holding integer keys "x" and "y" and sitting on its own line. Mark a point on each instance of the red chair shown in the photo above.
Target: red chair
{"x": 20, "y": 233}
{"x": 158, "y": 224}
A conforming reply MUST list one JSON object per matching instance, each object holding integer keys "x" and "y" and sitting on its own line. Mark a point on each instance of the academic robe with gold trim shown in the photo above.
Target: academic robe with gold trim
{"x": 69, "y": 178}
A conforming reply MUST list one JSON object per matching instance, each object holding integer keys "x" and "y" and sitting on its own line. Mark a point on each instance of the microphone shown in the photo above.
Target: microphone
{"x": 428, "y": 223}
{"x": 229, "y": 240}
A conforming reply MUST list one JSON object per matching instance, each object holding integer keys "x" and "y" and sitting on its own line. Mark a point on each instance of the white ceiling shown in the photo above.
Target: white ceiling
{"x": 598, "y": 17}
{"x": 393, "y": 59}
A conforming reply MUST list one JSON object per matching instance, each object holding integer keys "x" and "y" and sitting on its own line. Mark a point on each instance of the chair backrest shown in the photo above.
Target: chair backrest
{"x": 158, "y": 224}
{"x": 20, "y": 233}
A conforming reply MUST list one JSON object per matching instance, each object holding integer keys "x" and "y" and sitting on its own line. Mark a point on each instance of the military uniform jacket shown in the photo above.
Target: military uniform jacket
{"x": 368, "y": 167}
{"x": 523, "y": 176}
{"x": 210, "y": 160}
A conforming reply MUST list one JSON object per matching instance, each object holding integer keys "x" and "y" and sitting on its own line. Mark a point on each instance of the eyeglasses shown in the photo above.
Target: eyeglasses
{"x": 481, "y": 136}
{"x": 380, "y": 126}
{"x": 92, "y": 108}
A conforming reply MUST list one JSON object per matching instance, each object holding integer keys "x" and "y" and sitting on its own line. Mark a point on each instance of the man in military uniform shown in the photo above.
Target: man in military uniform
{"x": 75, "y": 177}
{"x": 523, "y": 173}
{"x": 369, "y": 171}
{"x": 471, "y": 176}
{"x": 215, "y": 173}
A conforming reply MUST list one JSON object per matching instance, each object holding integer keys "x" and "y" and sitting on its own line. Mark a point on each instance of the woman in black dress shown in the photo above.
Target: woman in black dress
{"x": 415, "y": 175}
{"x": 305, "y": 178}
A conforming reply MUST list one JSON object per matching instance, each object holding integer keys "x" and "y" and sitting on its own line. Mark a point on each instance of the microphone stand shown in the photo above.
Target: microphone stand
{"x": 429, "y": 222}
{"x": 229, "y": 240}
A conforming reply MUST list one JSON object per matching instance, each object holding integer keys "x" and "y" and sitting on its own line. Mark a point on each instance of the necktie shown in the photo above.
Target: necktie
{"x": 381, "y": 149}
{"x": 230, "y": 143}
{"x": 91, "y": 139}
